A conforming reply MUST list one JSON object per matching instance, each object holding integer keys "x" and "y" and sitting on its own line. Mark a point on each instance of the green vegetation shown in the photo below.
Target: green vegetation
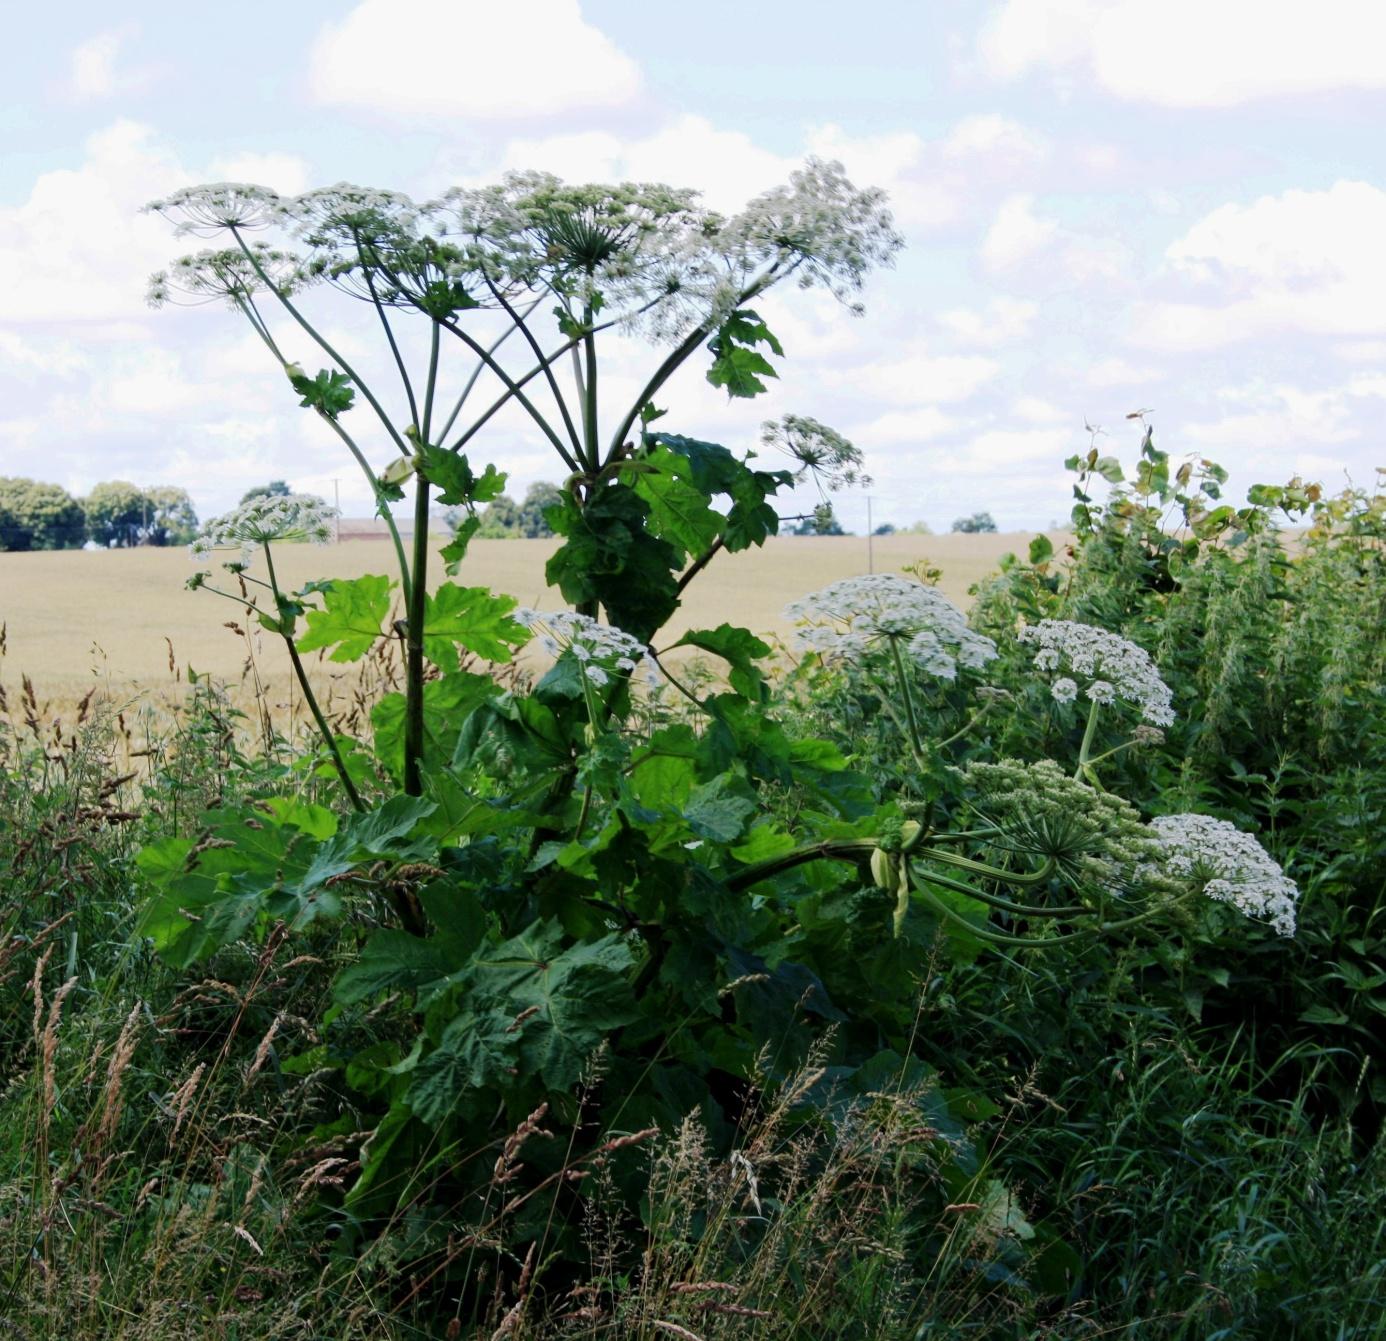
{"x": 45, "y": 516}
{"x": 1007, "y": 978}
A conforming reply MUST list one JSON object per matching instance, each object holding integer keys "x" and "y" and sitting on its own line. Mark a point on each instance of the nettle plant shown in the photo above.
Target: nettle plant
{"x": 690, "y": 894}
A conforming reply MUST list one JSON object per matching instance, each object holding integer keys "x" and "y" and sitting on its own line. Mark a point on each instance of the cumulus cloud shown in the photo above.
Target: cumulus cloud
{"x": 919, "y": 377}
{"x": 469, "y": 58}
{"x": 77, "y": 249}
{"x": 1017, "y": 234}
{"x": 1002, "y": 321}
{"x": 1188, "y": 53}
{"x": 995, "y": 136}
{"x": 1301, "y": 261}
{"x": 726, "y": 165}
{"x": 95, "y": 69}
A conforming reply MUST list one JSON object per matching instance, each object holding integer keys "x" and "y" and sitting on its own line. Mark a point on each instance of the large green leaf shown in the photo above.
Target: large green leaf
{"x": 470, "y": 617}
{"x": 581, "y": 994}
{"x": 610, "y": 556}
{"x": 740, "y": 648}
{"x": 350, "y": 619}
{"x": 476, "y": 1050}
{"x": 679, "y": 511}
{"x": 447, "y": 702}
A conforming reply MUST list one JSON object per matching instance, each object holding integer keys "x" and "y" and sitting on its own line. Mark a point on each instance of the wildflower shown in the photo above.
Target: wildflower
{"x": 1229, "y": 865}
{"x": 1064, "y": 690}
{"x": 261, "y": 520}
{"x": 847, "y": 619}
{"x": 601, "y": 650}
{"x": 817, "y": 450}
{"x": 1113, "y": 667}
{"x": 206, "y": 211}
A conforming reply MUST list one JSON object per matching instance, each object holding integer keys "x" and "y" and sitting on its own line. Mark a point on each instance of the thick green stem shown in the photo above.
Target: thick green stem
{"x": 831, "y": 849}
{"x": 991, "y": 872}
{"x": 996, "y": 901}
{"x": 915, "y": 739}
{"x": 1089, "y": 732}
{"x": 328, "y": 735}
{"x": 414, "y": 648}
{"x": 589, "y": 396}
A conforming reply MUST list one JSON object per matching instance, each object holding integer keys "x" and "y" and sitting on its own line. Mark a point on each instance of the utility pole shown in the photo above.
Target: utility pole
{"x": 870, "y": 539}
{"x": 337, "y": 510}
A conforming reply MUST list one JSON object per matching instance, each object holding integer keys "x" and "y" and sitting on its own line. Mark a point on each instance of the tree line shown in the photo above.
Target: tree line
{"x": 38, "y": 515}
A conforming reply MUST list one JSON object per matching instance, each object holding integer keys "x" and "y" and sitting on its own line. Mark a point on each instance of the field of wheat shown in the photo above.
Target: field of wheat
{"x": 122, "y": 622}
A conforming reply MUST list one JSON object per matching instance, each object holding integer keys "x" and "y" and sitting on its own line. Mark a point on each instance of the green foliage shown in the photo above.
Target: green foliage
{"x": 330, "y": 393}
{"x": 977, "y": 522}
{"x": 34, "y": 515}
{"x": 737, "y": 364}
{"x": 349, "y": 622}
{"x": 274, "y": 489}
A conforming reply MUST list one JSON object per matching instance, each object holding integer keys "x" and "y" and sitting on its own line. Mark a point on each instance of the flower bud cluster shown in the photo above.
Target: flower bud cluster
{"x": 260, "y": 520}
{"x": 1112, "y": 667}
{"x": 601, "y": 650}
{"x": 1040, "y": 810}
{"x": 850, "y": 618}
{"x": 1229, "y": 865}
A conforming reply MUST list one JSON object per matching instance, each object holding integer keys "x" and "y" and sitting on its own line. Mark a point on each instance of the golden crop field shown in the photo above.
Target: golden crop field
{"x": 122, "y": 619}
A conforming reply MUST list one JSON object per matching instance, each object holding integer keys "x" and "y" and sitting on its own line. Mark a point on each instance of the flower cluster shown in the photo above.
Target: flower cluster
{"x": 601, "y": 650}
{"x": 818, "y": 452}
{"x": 1095, "y": 838}
{"x": 847, "y": 619}
{"x": 260, "y": 520}
{"x": 1112, "y": 667}
{"x": 1229, "y": 865}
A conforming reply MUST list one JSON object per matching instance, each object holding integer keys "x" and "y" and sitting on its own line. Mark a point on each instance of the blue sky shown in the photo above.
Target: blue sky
{"x": 1109, "y": 205}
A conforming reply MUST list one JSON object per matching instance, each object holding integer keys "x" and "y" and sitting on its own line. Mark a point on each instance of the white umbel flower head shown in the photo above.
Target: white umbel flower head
{"x": 261, "y": 520}
{"x": 601, "y": 650}
{"x": 848, "y": 619}
{"x": 1230, "y": 866}
{"x": 1110, "y": 667}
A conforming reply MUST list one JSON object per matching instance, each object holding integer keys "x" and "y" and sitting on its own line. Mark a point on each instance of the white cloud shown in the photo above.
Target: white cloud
{"x": 1308, "y": 262}
{"x": 78, "y": 249}
{"x": 469, "y": 58}
{"x": 995, "y": 136}
{"x": 1118, "y": 372}
{"x": 1002, "y": 321}
{"x": 285, "y": 173}
{"x": 903, "y": 426}
{"x": 726, "y": 165}
{"x": 94, "y": 70}
{"x": 1016, "y": 234}
{"x": 1189, "y": 53}
{"x": 918, "y": 378}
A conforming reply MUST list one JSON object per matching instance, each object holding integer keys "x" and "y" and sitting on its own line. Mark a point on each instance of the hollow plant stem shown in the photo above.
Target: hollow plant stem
{"x": 1089, "y": 732}
{"x": 915, "y": 740}
{"x": 328, "y": 735}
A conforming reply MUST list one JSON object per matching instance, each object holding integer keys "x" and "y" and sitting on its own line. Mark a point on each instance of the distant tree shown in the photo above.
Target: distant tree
{"x": 977, "y": 522}
{"x": 885, "y": 528}
{"x": 822, "y": 521}
{"x": 274, "y": 489}
{"x": 500, "y": 520}
{"x": 172, "y": 520}
{"x": 116, "y": 513}
{"x": 34, "y": 515}
{"x": 505, "y": 519}
{"x": 538, "y": 496}
{"x": 919, "y": 528}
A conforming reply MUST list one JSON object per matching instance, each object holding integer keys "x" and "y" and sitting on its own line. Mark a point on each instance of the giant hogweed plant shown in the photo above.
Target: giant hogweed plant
{"x": 572, "y": 872}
